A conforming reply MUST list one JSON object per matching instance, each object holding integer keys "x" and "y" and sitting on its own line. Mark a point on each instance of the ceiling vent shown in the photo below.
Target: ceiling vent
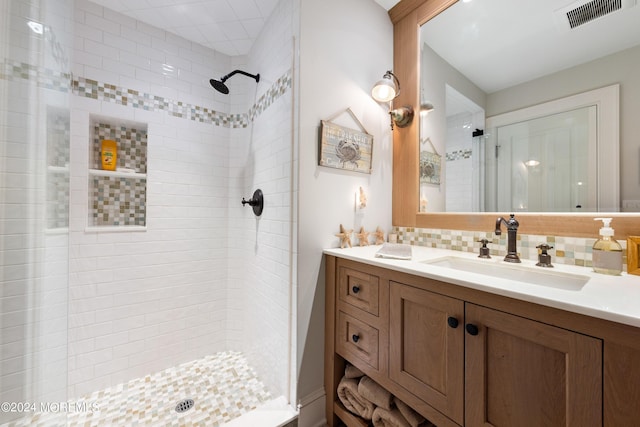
{"x": 582, "y": 12}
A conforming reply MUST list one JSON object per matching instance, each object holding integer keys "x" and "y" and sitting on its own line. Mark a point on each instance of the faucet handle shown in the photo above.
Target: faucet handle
{"x": 484, "y": 250}
{"x": 544, "y": 259}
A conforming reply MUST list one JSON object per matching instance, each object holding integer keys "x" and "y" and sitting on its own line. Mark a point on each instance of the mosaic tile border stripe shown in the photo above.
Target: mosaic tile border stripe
{"x": 89, "y": 88}
{"x": 566, "y": 250}
{"x": 458, "y": 155}
{"x": 43, "y": 77}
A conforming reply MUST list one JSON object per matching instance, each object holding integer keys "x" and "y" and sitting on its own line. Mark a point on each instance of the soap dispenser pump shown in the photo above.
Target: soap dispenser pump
{"x": 607, "y": 252}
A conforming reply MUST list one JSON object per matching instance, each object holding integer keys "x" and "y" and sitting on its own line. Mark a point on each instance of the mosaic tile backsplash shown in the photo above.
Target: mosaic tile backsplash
{"x": 566, "y": 250}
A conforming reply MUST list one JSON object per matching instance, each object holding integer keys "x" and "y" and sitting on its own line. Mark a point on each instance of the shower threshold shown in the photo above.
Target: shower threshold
{"x": 276, "y": 413}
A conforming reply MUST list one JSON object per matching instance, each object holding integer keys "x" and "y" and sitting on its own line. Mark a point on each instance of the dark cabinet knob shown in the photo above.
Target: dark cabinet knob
{"x": 355, "y": 337}
{"x": 355, "y": 289}
{"x": 453, "y": 322}
{"x": 472, "y": 329}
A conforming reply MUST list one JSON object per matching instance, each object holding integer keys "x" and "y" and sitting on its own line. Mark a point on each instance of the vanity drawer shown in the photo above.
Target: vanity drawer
{"x": 359, "y": 289}
{"x": 355, "y": 338}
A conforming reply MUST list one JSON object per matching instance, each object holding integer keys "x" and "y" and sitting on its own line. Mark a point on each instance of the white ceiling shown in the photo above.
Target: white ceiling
{"x": 228, "y": 26}
{"x": 524, "y": 28}
{"x": 387, "y": 4}
{"x": 500, "y": 43}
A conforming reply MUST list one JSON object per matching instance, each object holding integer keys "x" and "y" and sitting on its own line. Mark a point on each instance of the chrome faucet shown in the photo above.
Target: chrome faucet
{"x": 512, "y": 231}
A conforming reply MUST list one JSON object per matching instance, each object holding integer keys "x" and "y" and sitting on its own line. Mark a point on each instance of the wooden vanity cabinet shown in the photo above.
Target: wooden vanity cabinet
{"x": 427, "y": 347}
{"x": 519, "y": 372}
{"x": 464, "y": 357}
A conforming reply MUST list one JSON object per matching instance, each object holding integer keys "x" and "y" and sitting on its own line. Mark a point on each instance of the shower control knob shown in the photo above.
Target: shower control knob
{"x": 355, "y": 337}
{"x": 256, "y": 202}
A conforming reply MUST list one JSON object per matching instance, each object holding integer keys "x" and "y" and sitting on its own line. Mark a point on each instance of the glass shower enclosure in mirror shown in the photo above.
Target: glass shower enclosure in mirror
{"x": 483, "y": 62}
{"x": 543, "y": 164}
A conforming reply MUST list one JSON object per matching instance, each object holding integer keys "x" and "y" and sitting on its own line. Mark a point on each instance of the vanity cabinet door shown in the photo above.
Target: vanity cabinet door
{"x": 427, "y": 347}
{"x": 525, "y": 373}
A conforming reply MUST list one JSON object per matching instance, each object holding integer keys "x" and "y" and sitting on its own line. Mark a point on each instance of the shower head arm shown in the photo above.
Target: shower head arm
{"x": 256, "y": 76}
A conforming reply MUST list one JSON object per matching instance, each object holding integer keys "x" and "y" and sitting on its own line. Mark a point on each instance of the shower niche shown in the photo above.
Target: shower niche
{"x": 118, "y": 198}
{"x": 57, "y": 184}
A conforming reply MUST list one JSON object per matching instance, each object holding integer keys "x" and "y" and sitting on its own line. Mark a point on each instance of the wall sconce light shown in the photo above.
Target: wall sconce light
{"x": 425, "y": 109}
{"x": 386, "y": 90}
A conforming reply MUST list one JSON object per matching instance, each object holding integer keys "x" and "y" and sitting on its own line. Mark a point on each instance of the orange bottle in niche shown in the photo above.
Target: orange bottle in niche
{"x": 109, "y": 154}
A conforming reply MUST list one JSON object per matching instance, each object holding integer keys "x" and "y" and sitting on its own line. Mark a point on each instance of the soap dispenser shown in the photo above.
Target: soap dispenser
{"x": 607, "y": 252}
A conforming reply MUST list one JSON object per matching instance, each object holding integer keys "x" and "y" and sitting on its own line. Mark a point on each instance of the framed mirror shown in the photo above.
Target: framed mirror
{"x": 408, "y": 17}
{"x": 465, "y": 71}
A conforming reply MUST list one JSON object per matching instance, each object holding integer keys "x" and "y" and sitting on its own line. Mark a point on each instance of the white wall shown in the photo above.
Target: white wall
{"x": 345, "y": 47}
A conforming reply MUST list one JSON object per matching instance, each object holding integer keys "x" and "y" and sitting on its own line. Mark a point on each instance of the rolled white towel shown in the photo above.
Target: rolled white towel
{"x": 413, "y": 418}
{"x": 385, "y": 418}
{"x": 373, "y": 392}
{"x": 352, "y": 372}
{"x": 352, "y": 400}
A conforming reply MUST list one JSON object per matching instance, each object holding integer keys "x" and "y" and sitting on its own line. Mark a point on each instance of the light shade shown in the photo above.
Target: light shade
{"x": 426, "y": 108}
{"x": 386, "y": 88}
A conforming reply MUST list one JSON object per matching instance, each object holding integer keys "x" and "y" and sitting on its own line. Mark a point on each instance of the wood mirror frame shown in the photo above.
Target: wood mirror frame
{"x": 407, "y": 17}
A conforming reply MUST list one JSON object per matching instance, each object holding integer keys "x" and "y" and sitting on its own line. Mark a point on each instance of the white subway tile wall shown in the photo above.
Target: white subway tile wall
{"x": 261, "y": 250}
{"x": 458, "y": 164}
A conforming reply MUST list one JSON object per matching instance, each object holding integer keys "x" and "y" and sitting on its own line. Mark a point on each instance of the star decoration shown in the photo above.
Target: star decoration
{"x": 363, "y": 236}
{"x": 379, "y": 234}
{"x": 345, "y": 237}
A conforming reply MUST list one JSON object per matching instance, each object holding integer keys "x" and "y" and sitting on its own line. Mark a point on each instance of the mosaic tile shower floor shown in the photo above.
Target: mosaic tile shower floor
{"x": 223, "y": 387}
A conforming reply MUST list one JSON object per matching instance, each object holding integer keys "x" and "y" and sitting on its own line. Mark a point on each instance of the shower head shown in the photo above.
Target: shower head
{"x": 219, "y": 86}
{"x": 222, "y": 88}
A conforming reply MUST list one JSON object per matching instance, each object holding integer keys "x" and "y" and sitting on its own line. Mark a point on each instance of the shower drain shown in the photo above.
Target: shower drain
{"x": 184, "y": 405}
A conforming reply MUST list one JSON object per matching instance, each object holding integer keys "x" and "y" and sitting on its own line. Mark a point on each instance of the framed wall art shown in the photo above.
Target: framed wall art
{"x": 344, "y": 148}
{"x": 430, "y": 165}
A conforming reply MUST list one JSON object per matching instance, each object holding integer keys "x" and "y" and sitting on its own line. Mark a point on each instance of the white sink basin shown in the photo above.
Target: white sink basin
{"x": 515, "y": 272}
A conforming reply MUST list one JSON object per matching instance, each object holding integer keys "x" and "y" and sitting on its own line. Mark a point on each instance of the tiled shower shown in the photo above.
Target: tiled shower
{"x": 111, "y": 278}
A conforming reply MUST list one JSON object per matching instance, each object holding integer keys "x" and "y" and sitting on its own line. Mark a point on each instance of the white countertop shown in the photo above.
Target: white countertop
{"x": 615, "y": 298}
